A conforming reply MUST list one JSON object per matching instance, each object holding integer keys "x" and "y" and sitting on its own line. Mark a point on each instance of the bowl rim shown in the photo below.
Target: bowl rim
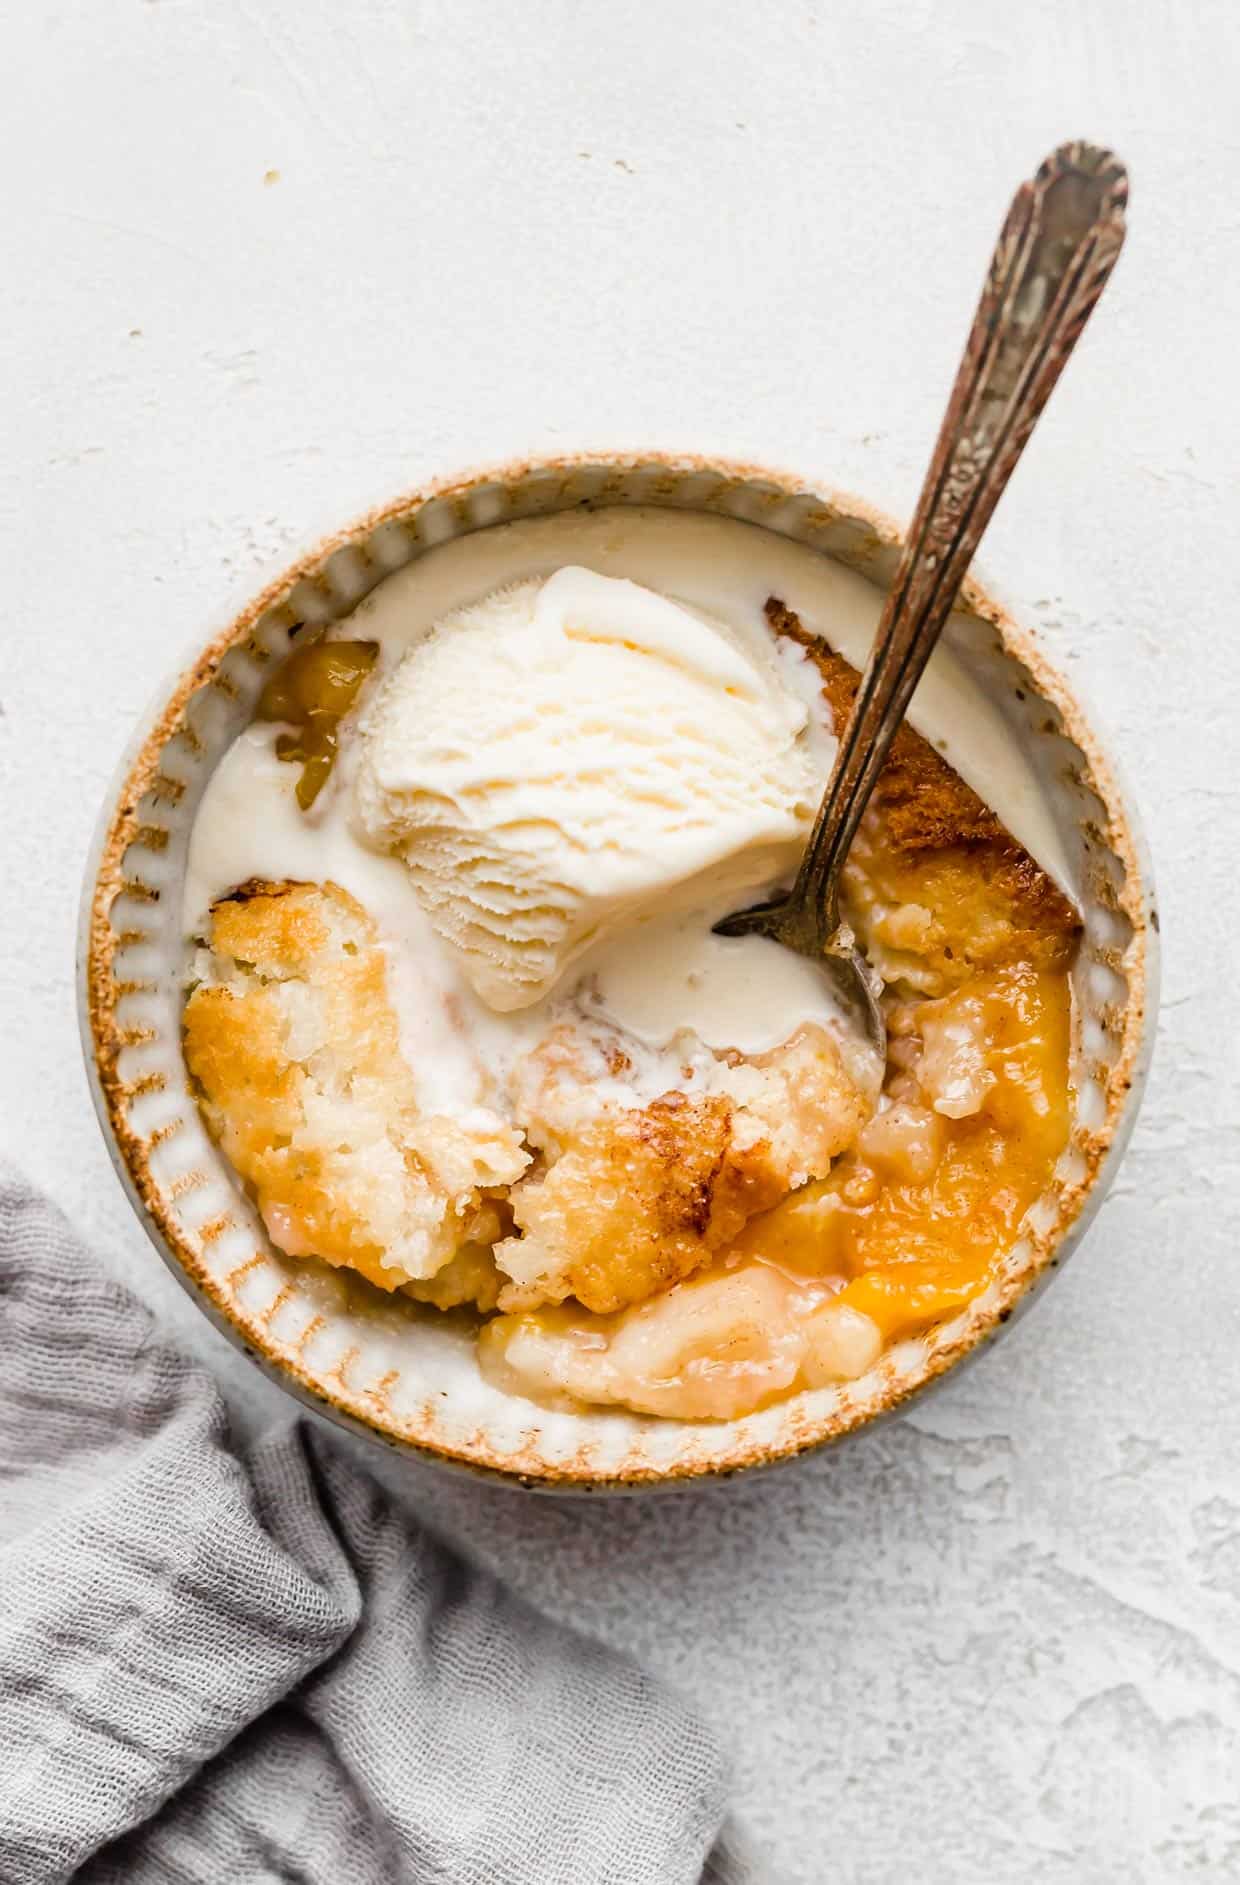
{"x": 118, "y": 824}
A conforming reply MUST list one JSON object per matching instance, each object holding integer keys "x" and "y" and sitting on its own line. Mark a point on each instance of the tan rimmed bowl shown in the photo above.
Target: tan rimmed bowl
{"x": 408, "y": 1377}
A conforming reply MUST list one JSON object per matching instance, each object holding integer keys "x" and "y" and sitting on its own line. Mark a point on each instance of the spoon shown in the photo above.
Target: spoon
{"x": 1055, "y": 251}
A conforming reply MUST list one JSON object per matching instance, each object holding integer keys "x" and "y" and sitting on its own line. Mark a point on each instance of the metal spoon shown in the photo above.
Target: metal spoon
{"x": 1055, "y": 251}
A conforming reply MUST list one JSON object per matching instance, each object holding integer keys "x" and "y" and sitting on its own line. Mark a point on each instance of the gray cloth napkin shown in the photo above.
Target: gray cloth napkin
{"x": 216, "y": 1668}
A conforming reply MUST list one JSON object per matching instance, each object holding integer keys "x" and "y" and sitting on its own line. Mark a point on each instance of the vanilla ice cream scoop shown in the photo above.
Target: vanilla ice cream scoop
{"x": 573, "y": 752}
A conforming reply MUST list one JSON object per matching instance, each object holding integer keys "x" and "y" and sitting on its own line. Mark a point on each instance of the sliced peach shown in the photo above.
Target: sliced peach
{"x": 906, "y": 1297}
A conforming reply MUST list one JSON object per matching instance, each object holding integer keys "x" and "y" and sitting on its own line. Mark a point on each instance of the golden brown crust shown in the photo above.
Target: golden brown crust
{"x": 281, "y": 928}
{"x": 641, "y": 1200}
{"x": 925, "y": 803}
{"x": 935, "y": 885}
{"x": 296, "y": 1053}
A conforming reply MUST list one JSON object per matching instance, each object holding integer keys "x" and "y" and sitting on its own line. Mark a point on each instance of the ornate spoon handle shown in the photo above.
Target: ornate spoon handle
{"x": 1056, "y": 249}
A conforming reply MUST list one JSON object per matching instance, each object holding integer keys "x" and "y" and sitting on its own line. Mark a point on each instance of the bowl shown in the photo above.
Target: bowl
{"x": 409, "y": 1378}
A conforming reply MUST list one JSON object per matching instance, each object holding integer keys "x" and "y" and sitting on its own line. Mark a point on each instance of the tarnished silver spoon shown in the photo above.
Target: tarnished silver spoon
{"x": 1055, "y": 251}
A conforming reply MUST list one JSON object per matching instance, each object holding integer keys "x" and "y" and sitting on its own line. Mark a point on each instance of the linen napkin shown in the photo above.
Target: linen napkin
{"x": 216, "y": 1668}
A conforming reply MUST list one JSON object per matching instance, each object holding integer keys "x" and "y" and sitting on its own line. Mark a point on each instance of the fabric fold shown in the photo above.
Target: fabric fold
{"x": 249, "y": 1669}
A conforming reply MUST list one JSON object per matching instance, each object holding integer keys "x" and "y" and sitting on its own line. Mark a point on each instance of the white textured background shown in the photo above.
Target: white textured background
{"x": 267, "y": 260}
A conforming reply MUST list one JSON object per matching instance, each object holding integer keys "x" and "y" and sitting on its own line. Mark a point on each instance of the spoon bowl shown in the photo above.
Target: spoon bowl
{"x": 854, "y": 983}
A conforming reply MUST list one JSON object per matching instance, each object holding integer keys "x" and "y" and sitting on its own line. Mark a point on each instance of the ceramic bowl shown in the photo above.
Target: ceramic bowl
{"x": 409, "y": 1377}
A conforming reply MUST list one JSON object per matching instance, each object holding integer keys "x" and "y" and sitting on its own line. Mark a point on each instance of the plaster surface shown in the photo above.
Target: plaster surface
{"x": 270, "y": 260}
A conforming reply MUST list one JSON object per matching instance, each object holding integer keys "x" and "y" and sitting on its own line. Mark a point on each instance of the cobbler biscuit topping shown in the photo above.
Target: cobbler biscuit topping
{"x": 635, "y": 1209}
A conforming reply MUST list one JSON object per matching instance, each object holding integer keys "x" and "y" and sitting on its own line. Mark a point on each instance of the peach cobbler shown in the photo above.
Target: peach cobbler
{"x": 459, "y": 1022}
